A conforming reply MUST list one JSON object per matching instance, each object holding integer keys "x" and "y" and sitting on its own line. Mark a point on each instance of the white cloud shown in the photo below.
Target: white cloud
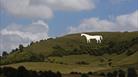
{"x": 69, "y": 4}
{"x": 92, "y": 24}
{"x": 14, "y": 34}
{"x": 126, "y": 22}
{"x": 44, "y": 8}
{"x": 25, "y": 9}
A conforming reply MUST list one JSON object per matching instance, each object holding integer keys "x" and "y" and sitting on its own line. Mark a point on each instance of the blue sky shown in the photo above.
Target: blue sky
{"x": 104, "y": 10}
{"x": 63, "y": 17}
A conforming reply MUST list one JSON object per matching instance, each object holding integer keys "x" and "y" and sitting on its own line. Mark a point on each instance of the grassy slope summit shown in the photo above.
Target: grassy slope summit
{"x": 74, "y": 44}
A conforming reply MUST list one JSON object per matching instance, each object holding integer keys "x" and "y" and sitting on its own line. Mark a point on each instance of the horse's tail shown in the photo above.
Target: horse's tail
{"x": 101, "y": 37}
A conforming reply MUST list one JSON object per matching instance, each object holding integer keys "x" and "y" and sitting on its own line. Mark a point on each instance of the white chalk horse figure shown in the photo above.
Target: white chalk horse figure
{"x": 98, "y": 38}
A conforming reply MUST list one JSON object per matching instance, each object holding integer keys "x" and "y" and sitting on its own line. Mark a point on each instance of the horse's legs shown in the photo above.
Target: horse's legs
{"x": 88, "y": 41}
{"x": 100, "y": 41}
{"x": 97, "y": 41}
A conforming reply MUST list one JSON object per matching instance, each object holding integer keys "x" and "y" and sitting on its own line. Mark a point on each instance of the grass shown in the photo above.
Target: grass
{"x": 73, "y": 59}
{"x": 68, "y": 43}
{"x": 67, "y": 64}
{"x": 43, "y": 66}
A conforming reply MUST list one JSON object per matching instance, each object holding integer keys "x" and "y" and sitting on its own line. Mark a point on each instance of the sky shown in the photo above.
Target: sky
{"x": 24, "y": 21}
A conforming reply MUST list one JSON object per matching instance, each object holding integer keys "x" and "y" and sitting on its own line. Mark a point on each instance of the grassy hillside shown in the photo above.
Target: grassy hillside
{"x": 70, "y": 63}
{"x": 74, "y": 44}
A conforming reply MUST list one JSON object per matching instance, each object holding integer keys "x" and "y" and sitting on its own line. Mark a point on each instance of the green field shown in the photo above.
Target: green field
{"x": 67, "y": 64}
{"x": 57, "y": 67}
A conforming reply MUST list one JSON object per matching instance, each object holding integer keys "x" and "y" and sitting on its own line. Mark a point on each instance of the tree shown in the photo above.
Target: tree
{"x": 115, "y": 73}
{"x": 121, "y": 73}
{"x": 22, "y": 72}
{"x": 0, "y": 58}
{"x": 102, "y": 74}
{"x": 21, "y": 47}
{"x": 8, "y": 72}
{"x": 14, "y": 50}
{"x": 84, "y": 75}
{"x": 59, "y": 74}
{"x": 131, "y": 72}
{"x": 109, "y": 74}
{"x": 50, "y": 38}
{"x": 31, "y": 43}
{"x": 58, "y": 51}
{"x": 4, "y": 54}
{"x": 90, "y": 73}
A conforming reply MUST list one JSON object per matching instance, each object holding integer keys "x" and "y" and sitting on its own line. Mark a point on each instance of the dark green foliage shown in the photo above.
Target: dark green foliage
{"x": 121, "y": 73}
{"x": 59, "y": 74}
{"x": 0, "y": 58}
{"x": 102, "y": 74}
{"x": 82, "y": 63}
{"x": 14, "y": 50}
{"x": 130, "y": 52}
{"x": 84, "y": 75}
{"x": 131, "y": 72}
{"x": 115, "y": 73}
{"x": 8, "y": 72}
{"x": 50, "y": 39}
{"x": 90, "y": 73}
{"x": 4, "y": 54}
{"x": 31, "y": 43}
{"x": 109, "y": 74}
{"x": 23, "y": 72}
{"x": 58, "y": 51}
{"x": 35, "y": 57}
{"x": 21, "y": 47}
{"x": 24, "y": 57}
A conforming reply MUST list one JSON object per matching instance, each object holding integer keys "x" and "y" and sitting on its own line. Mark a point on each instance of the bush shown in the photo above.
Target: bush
{"x": 84, "y": 75}
{"x": 90, "y": 73}
{"x": 121, "y": 73}
{"x": 131, "y": 72}
{"x": 109, "y": 74}
{"x": 82, "y": 63}
{"x": 102, "y": 74}
{"x": 58, "y": 51}
{"x": 23, "y": 72}
{"x": 115, "y": 73}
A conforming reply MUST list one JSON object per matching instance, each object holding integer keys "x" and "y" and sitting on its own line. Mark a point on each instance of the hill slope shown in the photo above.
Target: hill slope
{"x": 74, "y": 44}
{"x": 70, "y": 63}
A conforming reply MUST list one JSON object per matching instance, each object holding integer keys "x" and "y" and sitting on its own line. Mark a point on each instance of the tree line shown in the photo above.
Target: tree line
{"x": 21, "y": 71}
